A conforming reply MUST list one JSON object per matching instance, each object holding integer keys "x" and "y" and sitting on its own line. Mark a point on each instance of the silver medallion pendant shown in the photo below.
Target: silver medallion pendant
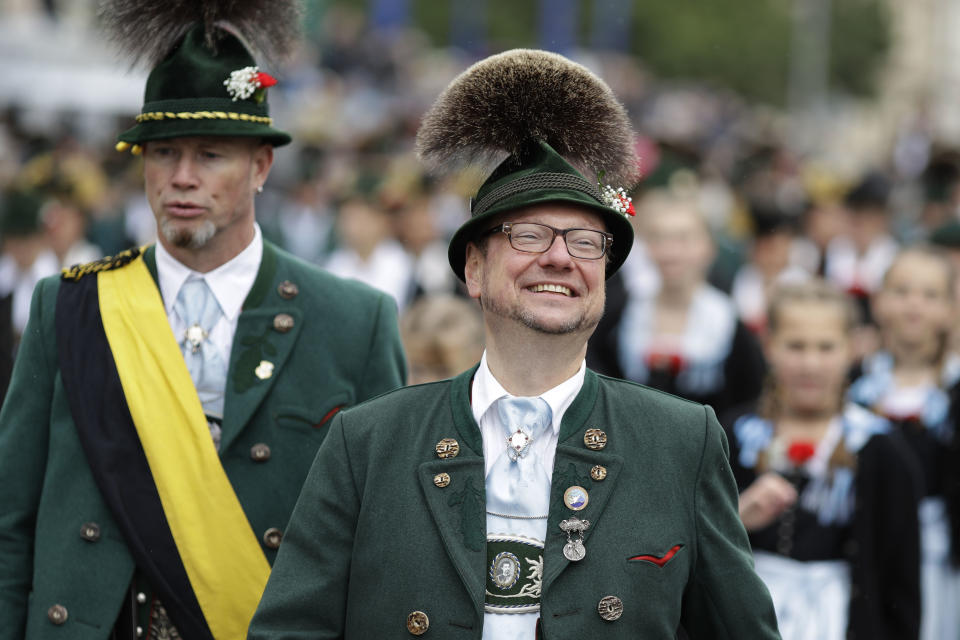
{"x": 518, "y": 444}
{"x": 194, "y": 335}
{"x": 574, "y": 551}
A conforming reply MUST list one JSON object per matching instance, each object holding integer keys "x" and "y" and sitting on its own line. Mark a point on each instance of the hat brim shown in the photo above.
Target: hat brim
{"x": 617, "y": 224}
{"x": 165, "y": 130}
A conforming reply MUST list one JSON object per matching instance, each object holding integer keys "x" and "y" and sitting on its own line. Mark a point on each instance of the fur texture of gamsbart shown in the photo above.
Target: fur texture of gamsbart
{"x": 503, "y": 101}
{"x": 145, "y": 30}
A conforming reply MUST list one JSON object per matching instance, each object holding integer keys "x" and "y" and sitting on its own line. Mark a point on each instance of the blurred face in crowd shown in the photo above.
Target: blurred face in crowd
{"x": 416, "y": 227}
{"x": 679, "y": 245}
{"x": 550, "y": 292}
{"x": 24, "y": 249}
{"x": 866, "y": 225}
{"x": 65, "y": 225}
{"x": 771, "y": 252}
{"x": 915, "y": 305}
{"x": 824, "y": 222}
{"x": 809, "y": 352}
{"x": 361, "y": 226}
{"x": 201, "y": 190}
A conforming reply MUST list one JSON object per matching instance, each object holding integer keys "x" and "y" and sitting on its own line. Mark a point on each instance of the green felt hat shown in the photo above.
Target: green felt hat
{"x": 537, "y": 174}
{"x": 19, "y": 214}
{"x": 947, "y": 235}
{"x": 204, "y": 90}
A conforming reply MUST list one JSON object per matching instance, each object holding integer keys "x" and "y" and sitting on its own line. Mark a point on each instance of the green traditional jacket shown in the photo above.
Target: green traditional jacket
{"x": 376, "y": 536}
{"x": 60, "y": 545}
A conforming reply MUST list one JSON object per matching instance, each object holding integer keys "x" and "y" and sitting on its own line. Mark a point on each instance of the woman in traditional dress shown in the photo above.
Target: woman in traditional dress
{"x": 827, "y": 494}
{"x": 908, "y": 383}
{"x": 686, "y": 337}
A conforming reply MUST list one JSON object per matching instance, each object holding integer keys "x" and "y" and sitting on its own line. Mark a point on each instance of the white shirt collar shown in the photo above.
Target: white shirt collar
{"x": 230, "y": 282}
{"x": 487, "y": 390}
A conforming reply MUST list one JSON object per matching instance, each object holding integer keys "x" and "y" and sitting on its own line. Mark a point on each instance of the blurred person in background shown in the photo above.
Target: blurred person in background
{"x": 25, "y": 255}
{"x": 822, "y": 220}
{"x": 442, "y": 336}
{"x": 770, "y": 262}
{"x": 367, "y": 249}
{"x": 25, "y": 259}
{"x": 940, "y": 188}
{"x": 74, "y": 186}
{"x": 856, "y": 260}
{"x": 908, "y": 382}
{"x": 827, "y": 493}
{"x": 167, "y": 402}
{"x": 685, "y": 337}
{"x": 65, "y": 225}
{"x": 417, "y": 228}
{"x": 302, "y": 222}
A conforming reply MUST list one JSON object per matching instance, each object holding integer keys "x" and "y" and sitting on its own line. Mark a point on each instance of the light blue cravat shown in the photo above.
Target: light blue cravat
{"x": 521, "y": 486}
{"x": 199, "y": 310}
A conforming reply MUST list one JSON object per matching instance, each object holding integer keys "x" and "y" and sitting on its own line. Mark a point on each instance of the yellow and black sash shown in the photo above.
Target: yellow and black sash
{"x": 146, "y": 438}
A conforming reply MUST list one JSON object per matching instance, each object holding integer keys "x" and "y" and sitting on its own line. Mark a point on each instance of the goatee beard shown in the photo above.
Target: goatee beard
{"x": 531, "y": 321}
{"x": 188, "y": 238}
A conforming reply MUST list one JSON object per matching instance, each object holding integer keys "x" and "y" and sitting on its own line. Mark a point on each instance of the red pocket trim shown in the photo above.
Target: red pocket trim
{"x": 327, "y": 417}
{"x": 659, "y": 561}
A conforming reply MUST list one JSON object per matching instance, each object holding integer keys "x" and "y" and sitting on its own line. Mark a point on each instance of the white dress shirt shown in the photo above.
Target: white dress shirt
{"x": 21, "y": 284}
{"x": 230, "y": 283}
{"x": 485, "y": 391}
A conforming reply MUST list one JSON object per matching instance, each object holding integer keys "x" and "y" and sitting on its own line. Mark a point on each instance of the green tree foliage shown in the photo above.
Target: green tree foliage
{"x": 859, "y": 42}
{"x": 740, "y": 44}
{"x": 743, "y": 45}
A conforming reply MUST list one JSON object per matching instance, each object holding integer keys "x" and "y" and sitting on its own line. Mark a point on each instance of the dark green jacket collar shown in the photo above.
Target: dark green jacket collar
{"x": 268, "y": 268}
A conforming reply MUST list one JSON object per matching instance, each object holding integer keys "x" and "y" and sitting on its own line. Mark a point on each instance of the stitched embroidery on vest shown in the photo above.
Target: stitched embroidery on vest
{"x": 472, "y": 517}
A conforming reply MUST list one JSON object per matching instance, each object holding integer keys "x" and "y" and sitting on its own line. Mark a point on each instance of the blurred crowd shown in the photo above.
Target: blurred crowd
{"x": 726, "y": 217}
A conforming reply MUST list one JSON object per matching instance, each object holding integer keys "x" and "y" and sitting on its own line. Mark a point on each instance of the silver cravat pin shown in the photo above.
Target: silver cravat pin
{"x": 518, "y": 444}
{"x": 195, "y": 335}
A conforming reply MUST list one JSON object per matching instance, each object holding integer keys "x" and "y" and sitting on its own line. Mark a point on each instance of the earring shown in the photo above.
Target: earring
{"x": 260, "y": 189}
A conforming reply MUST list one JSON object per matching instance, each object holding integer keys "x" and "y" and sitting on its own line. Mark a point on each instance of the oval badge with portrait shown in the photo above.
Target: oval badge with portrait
{"x": 505, "y": 570}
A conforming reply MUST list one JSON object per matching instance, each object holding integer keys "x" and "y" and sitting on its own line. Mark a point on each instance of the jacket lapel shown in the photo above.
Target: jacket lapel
{"x": 259, "y": 350}
{"x": 459, "y": 513}
{"x": 571, "y": 467}
{"x": 459, "y": 509}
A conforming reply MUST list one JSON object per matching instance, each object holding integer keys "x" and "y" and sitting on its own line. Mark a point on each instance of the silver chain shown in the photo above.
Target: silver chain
{"x": 504, "y": 515}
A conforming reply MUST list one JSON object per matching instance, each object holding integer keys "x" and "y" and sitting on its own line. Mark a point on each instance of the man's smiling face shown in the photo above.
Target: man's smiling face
{"x": 550, "y": 292}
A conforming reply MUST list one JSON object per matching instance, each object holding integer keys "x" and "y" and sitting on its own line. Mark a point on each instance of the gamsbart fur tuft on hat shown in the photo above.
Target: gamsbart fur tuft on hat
{"x": 147, "y": 31}
{"x": 502, "y": 102}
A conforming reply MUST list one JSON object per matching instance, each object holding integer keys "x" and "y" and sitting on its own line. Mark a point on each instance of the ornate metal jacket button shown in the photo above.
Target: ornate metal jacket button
{"x": 260, "y": 452}
{"x": 272, "y": 537}
{"x": 283, "y": 322}
{"x": 90, "y": 531}
{"x": 418, "y": 623}
{"x": 57, "y": 614}
{"x": 598, "y": 473}
{"x": 288, "y": 290}
{"x": 610, "y": 608}
{"x": 441, "y": 479}
{"x": 448, "y": 448}
{"x": 595, "y": 439}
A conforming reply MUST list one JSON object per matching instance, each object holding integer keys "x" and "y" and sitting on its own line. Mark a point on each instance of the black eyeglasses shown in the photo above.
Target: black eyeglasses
{"x": 533, "y": 237}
